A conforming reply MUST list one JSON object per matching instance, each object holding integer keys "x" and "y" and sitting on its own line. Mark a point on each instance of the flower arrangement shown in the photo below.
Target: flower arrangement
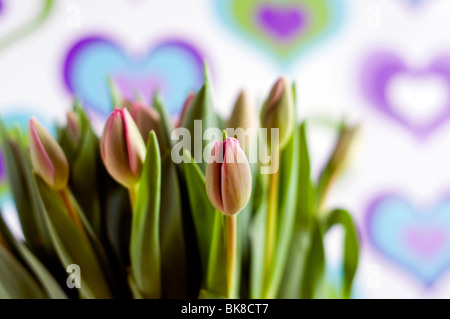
{"x": 132, "y": 215}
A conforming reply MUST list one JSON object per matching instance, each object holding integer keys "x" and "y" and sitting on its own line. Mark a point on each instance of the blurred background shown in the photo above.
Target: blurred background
{"x": 382, "y": 63}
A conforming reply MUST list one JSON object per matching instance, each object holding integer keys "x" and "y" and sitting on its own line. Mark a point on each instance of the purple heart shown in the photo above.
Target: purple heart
{"x": 281, "y": 22}
{"x": 378, "y": 72}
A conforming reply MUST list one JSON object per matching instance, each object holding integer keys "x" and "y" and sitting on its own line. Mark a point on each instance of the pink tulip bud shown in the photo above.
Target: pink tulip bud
{"x": 228, "y": 177}
{"x": 278, "y": 111}
{"x": 73, "y": 128}
{"x": 47, "y": 157}
{"x": 122, "y": 148}
{"x": 186, "y": 106}
{"x": 145, "y": 117}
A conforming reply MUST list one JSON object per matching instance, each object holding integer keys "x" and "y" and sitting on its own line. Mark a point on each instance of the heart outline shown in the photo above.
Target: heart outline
{"x": 335, "y": 21}
{"x": 381, "y": 67}
{"x": 388, "y": 248}
{"x": 126, "y": 62}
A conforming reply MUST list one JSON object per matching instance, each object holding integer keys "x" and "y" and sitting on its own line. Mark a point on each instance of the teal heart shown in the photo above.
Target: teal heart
{"x": 283, "y": 29}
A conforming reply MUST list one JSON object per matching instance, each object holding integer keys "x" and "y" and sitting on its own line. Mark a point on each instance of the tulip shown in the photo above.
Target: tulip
{"x": 47, "y": 157}
{"x": 228, "y": 178}
{"x": 278, "y": 112}
{"x": 146, "y": 119}
{"x": 342, "y": 155}
{"x": 244, "y": 116}
{"x": 122, "y": 148}
{"x": 187, "y": 104}
{"x": 73, "y": 128}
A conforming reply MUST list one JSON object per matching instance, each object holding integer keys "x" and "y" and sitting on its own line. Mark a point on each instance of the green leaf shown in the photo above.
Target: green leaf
{"x": 73, "y": 245}
{"x": 42, "y": 275}
{"x": 173, "y": 248}
{"x": 216, "y": 278}
{"x": 85, "y": 163}
{"x": 257, "y": 233}
{"x": 166, "y": 124}
{"x": 115, "y": 96}
{"x": 298, "y": 251}
{"x": 201, "y": 208}
{"x": 290, "y": 288}
{"x": 16, "y": 282}
{"x": 351, "y": 246}
{"x": 145, "y": 250}
{"x": 313, "y": 278}
{"x": 202, "y": 109}
{"x": 26, "y": 196}
{"x": 287, "y": 205}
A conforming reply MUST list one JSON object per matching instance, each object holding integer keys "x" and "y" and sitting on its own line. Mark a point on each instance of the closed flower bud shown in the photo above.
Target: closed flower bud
{"x": 345, "y": 148}
{"x": 122, "y": 148}
{"x": 244, "y": 117}
{"x": 228, "y": 177}
{"x": 278, "y": 112}
{"x": 186, "y": 106}
{"x": 146, "y": 119}
{"x": 47, "y": 157}
{"x": 73, "y": 128}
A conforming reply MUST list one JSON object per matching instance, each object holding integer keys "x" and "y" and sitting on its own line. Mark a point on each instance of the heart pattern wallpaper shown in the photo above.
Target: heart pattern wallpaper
{"x": 120, "y": 124}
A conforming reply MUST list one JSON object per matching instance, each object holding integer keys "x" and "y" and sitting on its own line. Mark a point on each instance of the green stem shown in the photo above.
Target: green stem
{"x": 132, "y": 192}
{"x": 231, "y": 254}
{"x": 70, "y": 208}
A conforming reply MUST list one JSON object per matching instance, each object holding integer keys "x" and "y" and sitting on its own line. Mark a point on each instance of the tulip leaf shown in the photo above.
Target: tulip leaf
{"x": 201, "y": 208}
{"x": 202, "y": 111}
{"x": 351, "y": 246}
{"x": 43, "y": 276}
{"x": 290, "y": 287}
{"x": 206, "y": 294}
{"x": 313, "y": 278}
{"x": 216, "y": 277}
{"x": 288, "y": 171}
{"x": 173, "y": 248}
{"x": 72, "y": 244}
{"x": 166, "y": 124}
{"x": 26, "y": 196}
{"x": 84, "y": 160}
{"x": 115, "y": 95}
{"x": 257, "y": 231}
{"x": 145, "y": 252}
{"x": 16, "y": 282}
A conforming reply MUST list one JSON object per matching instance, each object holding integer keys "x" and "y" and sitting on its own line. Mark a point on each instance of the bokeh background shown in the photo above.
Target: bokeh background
{"x": 382, "y": 63}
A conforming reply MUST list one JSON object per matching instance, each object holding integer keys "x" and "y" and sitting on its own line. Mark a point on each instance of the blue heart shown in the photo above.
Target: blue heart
{"x": 418, "y": 241}
{"x": 173, "y": 68}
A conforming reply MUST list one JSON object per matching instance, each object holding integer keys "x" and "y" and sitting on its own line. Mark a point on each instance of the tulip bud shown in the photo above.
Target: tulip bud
{"x": 73, "y": 128}
{"x": 228, "y": 177}
{"x": 47, "y": 156}
{"x": 122, "y": 148}
{"x": 146, "y": 119}
{"x": 186, "y": 106}
{"x": 344, "y": 149}
{"x": 278, "y": 112}
{"x": 244, "y": 116}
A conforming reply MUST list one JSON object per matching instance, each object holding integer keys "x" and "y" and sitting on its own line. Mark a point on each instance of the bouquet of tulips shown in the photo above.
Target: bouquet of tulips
{"x": 150, "y": 210}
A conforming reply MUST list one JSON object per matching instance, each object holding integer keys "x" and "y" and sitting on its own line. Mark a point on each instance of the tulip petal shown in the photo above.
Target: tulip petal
{"x": 213, "y": 176}
{"x": 236, "y": 178}
{"x": 114, "y": 152}
{"x": 39, "y": 157}
{"x": 134, "y": 143}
